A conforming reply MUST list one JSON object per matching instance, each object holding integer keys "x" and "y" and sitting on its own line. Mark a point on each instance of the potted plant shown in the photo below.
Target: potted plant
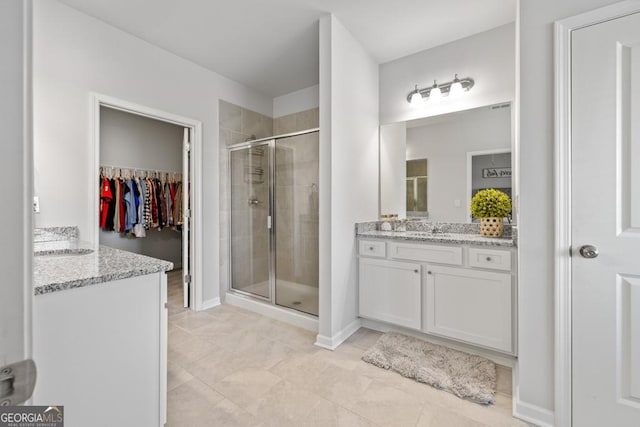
{"x": 491, "y": 206}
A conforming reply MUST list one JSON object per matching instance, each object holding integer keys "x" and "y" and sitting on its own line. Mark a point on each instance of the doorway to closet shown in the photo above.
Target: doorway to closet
{"x": 144, "y": 173}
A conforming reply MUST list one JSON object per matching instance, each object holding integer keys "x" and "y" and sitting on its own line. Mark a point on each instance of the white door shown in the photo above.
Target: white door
{"x": 605, "y": 61}
{"x": 16, "y": 168}
{"x": 186, "y": 219}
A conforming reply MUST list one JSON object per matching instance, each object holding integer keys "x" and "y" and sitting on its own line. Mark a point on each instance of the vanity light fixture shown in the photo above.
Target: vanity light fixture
{"x": 456, "y": 88}
{"x": 435, "y": 93}
{"x": 415, "y": 98}
{"x": 453, "y": 88}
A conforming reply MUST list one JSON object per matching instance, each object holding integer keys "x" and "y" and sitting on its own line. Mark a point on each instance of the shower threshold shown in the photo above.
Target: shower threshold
{"x": 295, "y": 296}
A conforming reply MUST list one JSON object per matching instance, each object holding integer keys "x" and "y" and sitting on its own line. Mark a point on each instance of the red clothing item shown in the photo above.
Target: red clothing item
{"x": 172, "y": 190}
{"x": 122, "y": 208}
{"x": 106, "y": 197}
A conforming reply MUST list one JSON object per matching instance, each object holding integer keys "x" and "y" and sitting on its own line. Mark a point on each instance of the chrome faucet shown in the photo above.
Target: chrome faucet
{"x": 436, "y": 228}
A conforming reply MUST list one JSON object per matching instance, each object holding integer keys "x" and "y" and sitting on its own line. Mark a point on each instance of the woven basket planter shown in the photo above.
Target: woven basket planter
{"x": 491, "y": 227}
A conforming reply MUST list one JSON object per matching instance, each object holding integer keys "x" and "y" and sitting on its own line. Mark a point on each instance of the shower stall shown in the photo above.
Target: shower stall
{"x": 274, "y": 220}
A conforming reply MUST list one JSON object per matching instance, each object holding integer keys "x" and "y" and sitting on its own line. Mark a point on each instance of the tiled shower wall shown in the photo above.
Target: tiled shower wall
{"x": 296, "y": 122}
{"x": 238, "y": 124}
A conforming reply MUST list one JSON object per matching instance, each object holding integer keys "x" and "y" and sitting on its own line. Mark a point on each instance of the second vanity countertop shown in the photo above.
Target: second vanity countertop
{"x": 54, "y": 273}
{"x": 61, "y": 261}
{"x": 438, "y": 232}
{"x": 450, "y": 238}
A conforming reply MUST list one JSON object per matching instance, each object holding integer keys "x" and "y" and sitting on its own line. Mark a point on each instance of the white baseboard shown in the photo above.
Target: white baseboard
{"x": 333, "y": 342}
{"x": 292, "y": 317}
{"x": 532, "y": 413}
{"x": 210, "y": 303}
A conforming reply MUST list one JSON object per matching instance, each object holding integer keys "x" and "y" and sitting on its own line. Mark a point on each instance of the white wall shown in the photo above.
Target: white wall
{"x": 348, "y": 171}
{"x": 445, "y": 143}
{"x": 75, "y": 54}
{"x": 16, "y": 250}
{"x": 294, "y": 102}
{"x": 136, "y": 141}
{"x": 393, "y": 169}
{"x": 488, "y": 58}
{"x": 535, "y": 235}
{"x": 129, "y": 140}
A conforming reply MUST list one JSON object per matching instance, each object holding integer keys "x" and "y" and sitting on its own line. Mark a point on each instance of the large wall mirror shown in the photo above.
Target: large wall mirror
{"x": 431, "y": 167}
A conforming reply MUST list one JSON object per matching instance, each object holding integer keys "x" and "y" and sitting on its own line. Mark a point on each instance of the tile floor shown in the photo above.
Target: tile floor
{"x": 233, "y": 367}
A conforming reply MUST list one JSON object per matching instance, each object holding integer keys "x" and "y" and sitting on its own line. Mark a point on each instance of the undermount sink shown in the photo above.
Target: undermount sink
{"x": 61, "y": 248}
{"x": 63, "y": 252}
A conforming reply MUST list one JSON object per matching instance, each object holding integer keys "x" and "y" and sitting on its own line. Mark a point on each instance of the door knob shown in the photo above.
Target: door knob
{"x": 588, "y": 251}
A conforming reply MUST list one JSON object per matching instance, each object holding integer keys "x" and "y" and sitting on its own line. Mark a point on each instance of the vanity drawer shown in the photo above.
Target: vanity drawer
{"x": 426, "y": 253}
{"x": 372, "y": 248}
{"x": 490, "y": 258}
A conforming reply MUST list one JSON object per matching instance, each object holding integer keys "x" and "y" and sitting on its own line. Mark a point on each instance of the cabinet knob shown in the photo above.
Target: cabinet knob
{"x": 488, "y": 258}
{"x": 416, "y": 271}
{"x": 370, "y": 248}
{"x": 428, "y": 272}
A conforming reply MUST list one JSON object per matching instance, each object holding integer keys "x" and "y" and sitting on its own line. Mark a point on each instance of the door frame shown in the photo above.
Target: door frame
{"x": 562, "y": 197}
{"x": 98, "y": 100}
{"x": 269, "y": 143}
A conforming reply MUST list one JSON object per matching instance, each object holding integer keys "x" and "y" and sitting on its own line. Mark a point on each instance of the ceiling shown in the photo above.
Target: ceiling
{"x": 272, "y": 45}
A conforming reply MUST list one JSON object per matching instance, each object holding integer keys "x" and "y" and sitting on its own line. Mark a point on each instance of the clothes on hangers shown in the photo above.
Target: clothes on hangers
{"x": 106, "y": 198}
{"x": 131, "y": 205}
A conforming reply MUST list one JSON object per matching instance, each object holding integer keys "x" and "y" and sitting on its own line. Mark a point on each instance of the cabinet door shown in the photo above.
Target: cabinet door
{"x": 469, "y": 305}
{"x": 390, "y": 291}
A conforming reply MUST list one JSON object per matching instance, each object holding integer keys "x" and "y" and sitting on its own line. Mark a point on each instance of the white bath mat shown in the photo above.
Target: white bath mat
{"x": 465, "y": 375}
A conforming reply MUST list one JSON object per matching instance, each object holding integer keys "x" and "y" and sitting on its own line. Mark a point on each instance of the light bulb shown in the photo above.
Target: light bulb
{"x": 456, "y": 88}
{"x": 435, "y": 93}
{"x": 416, "y": 97}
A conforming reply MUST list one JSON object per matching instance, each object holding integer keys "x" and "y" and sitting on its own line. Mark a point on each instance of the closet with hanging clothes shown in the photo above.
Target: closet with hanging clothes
{"x": 142, "y": 186}
{"x": 134, "y": 201}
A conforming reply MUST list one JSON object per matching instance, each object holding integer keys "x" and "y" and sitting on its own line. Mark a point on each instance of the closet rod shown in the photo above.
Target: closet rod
{"x": 139, "y": 169}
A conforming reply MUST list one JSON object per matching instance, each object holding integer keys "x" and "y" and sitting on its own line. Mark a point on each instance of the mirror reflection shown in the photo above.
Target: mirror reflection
{"x": 431, "y": 167}
{"x": 417, "y": 187}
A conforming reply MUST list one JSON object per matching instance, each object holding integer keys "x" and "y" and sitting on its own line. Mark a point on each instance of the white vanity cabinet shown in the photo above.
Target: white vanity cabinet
{"x": 460, "y": 292}
{"x": 391, "y": 291}
{"x": 104, "y": 347}
{"x": 469, "y": 305}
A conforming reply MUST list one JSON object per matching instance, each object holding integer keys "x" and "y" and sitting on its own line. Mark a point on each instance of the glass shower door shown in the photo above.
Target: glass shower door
{"x": 250, "y": 217}
{"x": 296, "y": 222}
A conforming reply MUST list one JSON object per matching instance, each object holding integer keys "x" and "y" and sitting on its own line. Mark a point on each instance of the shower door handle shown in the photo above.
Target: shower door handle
{"x": 269, "y": 222}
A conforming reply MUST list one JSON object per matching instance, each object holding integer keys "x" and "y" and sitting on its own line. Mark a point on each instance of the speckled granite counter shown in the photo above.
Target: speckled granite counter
{"x": 450, "y": 238}
{"x": 59, "y": 241}
{"x": 59, "y": 272}
{"x": 52, "y": 234}
{"x": 61, "y": 247}
{"x": 443, "y": 232}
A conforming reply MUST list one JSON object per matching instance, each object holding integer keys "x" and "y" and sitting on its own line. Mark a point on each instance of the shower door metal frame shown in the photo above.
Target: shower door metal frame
{"x": 270, "y": 142}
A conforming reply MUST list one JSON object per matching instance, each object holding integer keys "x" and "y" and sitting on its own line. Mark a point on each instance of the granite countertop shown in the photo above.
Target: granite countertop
{"x": 52, "y": 234}
{"x": 450, "y": 238}
{"x": 59, "y": 272}
{"x": 61, "y": 247}
{"x": 59, "y": 241}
